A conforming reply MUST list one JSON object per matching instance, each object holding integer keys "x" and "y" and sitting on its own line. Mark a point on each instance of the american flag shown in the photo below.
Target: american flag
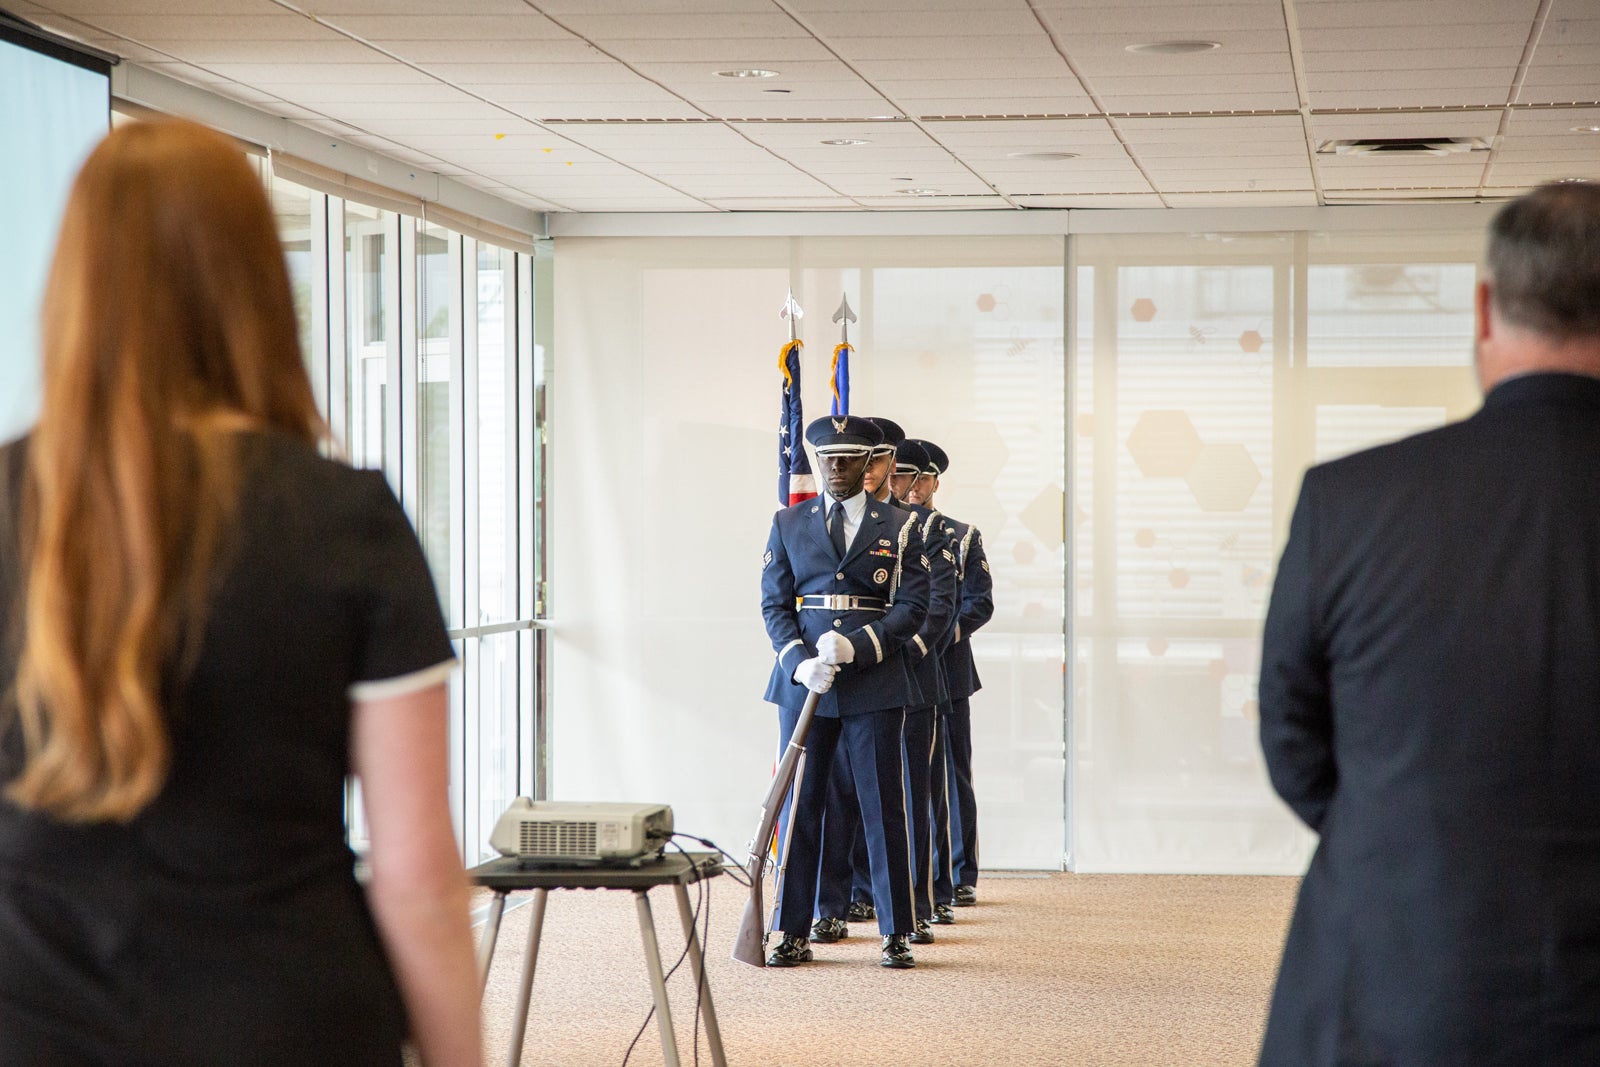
{"x": 794, "y": 469}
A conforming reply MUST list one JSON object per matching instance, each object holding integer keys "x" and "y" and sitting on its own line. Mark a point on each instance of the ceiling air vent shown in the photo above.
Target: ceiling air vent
{"x": 1402, "y": 146}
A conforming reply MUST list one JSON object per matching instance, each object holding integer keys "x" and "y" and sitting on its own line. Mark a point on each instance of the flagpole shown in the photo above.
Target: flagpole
{"x": 795, "y": 482}
{"x": 841, "y": 357}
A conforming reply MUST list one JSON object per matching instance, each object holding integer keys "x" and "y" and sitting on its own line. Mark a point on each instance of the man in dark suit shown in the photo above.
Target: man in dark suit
{"x": 843, "y": 586}
{"x": 1430, "y": 698}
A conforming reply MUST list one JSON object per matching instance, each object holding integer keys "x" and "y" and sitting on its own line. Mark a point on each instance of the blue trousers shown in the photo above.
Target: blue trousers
{"x": 846, "y": 872}
{"x": 964, "y": 816}
{"x": 944, "y": 886}
{"x": 872, "y": 745}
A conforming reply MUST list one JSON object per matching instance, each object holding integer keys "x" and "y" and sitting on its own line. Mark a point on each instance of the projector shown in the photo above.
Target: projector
{"x": 565, "y": 832}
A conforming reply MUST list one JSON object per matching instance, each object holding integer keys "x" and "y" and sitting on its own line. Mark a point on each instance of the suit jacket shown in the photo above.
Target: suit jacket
{"x": 1430, "y": 704}
{"x": 922, "y": 652}
{"x": 885, "y": 560}
{"x": 977, "y": 607}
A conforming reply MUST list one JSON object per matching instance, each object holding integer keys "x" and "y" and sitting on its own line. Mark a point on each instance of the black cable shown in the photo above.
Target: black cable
{"x": 694, "y": 921}
{"x": 736, "y": 871}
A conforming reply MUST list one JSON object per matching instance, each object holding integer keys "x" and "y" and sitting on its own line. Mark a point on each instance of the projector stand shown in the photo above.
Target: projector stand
{"x": 505, "y": 876}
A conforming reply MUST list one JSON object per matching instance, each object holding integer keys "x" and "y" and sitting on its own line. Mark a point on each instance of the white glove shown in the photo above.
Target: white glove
{"x": 815, "y": 675}
{"x": 833, "y": 648}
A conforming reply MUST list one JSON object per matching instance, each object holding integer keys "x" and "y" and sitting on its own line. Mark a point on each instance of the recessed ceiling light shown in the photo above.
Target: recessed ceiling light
{"x": 1044, "y": 156}
{"x": 751, "y": 72}
{"x": 1586, "y": 129}
{"x": 1174, "y": 48}
{"x": 845, "y": 141}
{"x": 917, "y": 192}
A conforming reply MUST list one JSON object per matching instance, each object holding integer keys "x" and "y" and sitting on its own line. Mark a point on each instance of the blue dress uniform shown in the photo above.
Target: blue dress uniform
{"x": 876, "y": 597}
{"x": 845, "y": 868}
{"x": 955, "y": 805}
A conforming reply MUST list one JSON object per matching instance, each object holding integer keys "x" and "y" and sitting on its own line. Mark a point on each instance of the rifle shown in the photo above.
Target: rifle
{"x": 750, "y": 945}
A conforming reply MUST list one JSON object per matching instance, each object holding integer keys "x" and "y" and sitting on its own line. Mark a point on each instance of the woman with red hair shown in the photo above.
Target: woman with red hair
{"x": 204, "y": 627}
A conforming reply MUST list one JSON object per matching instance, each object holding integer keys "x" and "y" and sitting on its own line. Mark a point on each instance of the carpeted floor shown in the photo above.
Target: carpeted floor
{"x": 1059, "y": 969}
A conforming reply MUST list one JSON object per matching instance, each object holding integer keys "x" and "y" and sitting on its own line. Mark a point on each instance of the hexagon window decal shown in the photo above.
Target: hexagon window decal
{"x": 1143, "y": 310}
{"x": 1223, "y": 477}
{"x": 1164, "y": 444}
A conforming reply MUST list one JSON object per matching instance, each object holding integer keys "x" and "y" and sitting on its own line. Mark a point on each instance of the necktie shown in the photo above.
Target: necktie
{"x": 836, "y": 528}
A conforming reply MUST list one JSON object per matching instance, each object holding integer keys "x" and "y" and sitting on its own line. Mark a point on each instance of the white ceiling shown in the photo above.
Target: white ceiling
{"x": 615, "y": 105}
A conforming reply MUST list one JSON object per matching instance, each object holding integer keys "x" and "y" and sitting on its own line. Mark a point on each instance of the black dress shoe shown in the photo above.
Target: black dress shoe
{"x": 860, "y": 912}
{"x": 791, "y": 951}
{"x": 966, "y": 896}
{"x": 896, "y": 953}
{"x": 922, "y": 935}
{"x": 828, "y": 930}
{"x": 943, "y": 915}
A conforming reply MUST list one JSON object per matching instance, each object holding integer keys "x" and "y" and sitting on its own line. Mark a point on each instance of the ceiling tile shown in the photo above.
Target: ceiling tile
{"x": 279, "y": 26}
{"x": 931, "y": 49}
{"x": 790, "y": 203}
{"x": 1012, "y": 20}
{"x": 760, "y": 24}
{"x": 1361, "y": 14}
{"x": 1165, "y": 22}
{"x": 767, "y": 53}
{"x": 1092, "y": 200}
{"x": 526, "y": 25}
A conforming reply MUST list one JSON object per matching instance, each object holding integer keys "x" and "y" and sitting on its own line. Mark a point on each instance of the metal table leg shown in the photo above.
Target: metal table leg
{"x": 491, "y": 934}
{"x": 697, "y": 963}
{"x": 519, "y": 1023}
{"x": 658, "y": 981}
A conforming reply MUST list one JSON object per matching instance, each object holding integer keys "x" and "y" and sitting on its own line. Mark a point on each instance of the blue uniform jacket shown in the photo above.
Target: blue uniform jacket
{"x": 977, "y": 606}
{"x": 885, "y": 560}
{"x": 923, "y": 651}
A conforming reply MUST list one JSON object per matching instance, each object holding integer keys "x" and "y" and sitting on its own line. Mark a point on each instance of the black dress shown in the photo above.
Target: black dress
{"x": 224, "y": 923}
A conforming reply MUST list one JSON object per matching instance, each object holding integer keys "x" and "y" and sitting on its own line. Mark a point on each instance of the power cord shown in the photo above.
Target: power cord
{"x": 733, "y": 869}
{"x": 702, "y": 904}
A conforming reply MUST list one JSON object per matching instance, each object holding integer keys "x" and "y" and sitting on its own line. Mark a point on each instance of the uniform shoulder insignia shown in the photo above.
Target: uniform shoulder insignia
{"x": 949, "y": 555}
{"x": 925, "y": 564}
{"x": 985, "y": 565}
{"x": 766, "y": 559}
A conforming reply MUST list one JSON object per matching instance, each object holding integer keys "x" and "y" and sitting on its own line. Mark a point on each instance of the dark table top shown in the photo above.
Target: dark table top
{"x": 506, "y": 875}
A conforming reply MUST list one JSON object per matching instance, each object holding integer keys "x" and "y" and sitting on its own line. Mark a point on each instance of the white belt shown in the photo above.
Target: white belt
{"x": 842, "y": 602}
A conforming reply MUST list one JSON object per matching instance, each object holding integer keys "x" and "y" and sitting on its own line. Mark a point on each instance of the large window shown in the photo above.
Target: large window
{"x": 1210, "y": 371}
{"x": 371, "y": 343}
{"x": 421, "y": 343}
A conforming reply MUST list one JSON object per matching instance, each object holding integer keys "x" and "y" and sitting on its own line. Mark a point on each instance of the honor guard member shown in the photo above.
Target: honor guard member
{"x": 843, "y": 587}
{"x": 961, "y": 675}
{"x": 844, "y": 863}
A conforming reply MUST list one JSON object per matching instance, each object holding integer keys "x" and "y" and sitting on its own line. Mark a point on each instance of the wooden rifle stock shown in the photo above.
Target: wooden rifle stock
{"x": 750, "y": 945}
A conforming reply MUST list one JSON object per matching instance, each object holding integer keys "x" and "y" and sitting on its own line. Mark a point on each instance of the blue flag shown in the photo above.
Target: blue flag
{"x": 841, "y": 380}
{"x": 794, "y": 469}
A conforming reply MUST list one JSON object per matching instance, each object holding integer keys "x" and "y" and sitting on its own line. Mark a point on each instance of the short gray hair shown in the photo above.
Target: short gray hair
{"x": 1544, "y": 260}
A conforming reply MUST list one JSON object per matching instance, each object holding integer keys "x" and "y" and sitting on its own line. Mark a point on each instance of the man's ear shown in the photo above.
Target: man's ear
{"x": 1483, "y": 300}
